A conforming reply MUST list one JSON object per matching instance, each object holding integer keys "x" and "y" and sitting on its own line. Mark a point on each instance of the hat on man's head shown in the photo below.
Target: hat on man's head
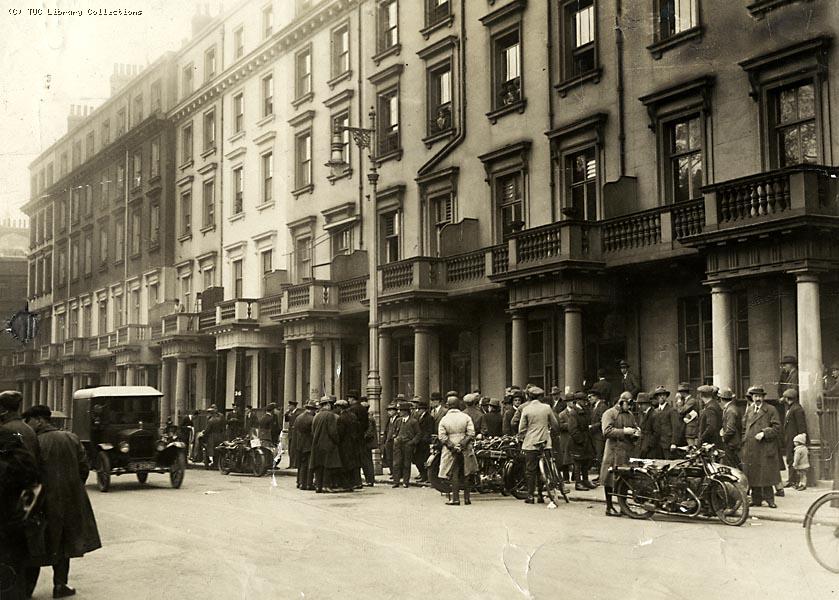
{"x": 683, "y": 387}
{"x": 506, "y": 400}
{"x": 661, "y": 391}
{"x": 436, "y": 396}
{"x": 392, "y": 406}
{"x": 271, "y": 406}
{"x": 311, "y": 403}
{"x": 422, "y": 402}
{"x": 535, "y": 391}
{"x": 791, "y": 394}
{"x": 623, "y": 363}
{"x": 755, "y": 389}
{"x": 625, "y": 396}
{"x": 706, "y": 390}
{"x": 789, "y": 360}
{"x": 726, "y": 394}
{"x": 293, "y": 401}
{"x": 352, "y": 394}
{"x": 595, "y": 392}
{"x": 212, "y": 408}
{"x": 554, "y": 389}
{"x": 580, "y": 396}
{"x": 405, "y": 406}
{"x": 471, "y": 398}
{"x": 643, "y": 398}
{"x": 518, "y": 394}
{"x": 495, "y": 402}
{"x": 400, "y": 397}
{"x": 452, "y": 393}
{"x": 341, "y": 402}
{"x": 452, "y": 402}
{"x": 324, "y": 400}
{"x": 41, "y": 411}
{"x": 10, "y": 400}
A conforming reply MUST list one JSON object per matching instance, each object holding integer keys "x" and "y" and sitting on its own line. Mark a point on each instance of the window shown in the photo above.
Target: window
{"x": 507, "y": 169}
{"x": 267, "y": 267}
{"x": 209, "y": 130}
{"x": 388, "y": 126}
{"x": 239, "y": 42}
{"x": 119, "y": 236}
{"x": 741, "y": 336}
{"x": 74, "y": 259}
{"x": 209, "y": 202}
{"x": 186, "y": 80}
{"x": 509, "y": 199}
{"x": 268, "y": 177}
{"x": 341, "y": 241}
{"x": 268, "y": 95}
{"x": 62, "y": 215}
{"x": 579, "y": 38}
{"x": 138, "y": 109}
{"x": 303, "y": 160}
{"x": 685, "y": 158}
{"x": 340, "y": 123}
{"x": 267, "y": 21}
{"x": 794, "y": 121}
{"x": 303, "y": 258}
{"x": 186, "y": 142}
{"x": 237, "y": 278}
{"x": 155, "y": 158}
{"x": 696, "y": 341}
{"x": 136, "y": 231}
{"x": 64, "y": 162}
{"x": 238, "y": 112}
{"x": 238, "y": 191}
{"x": 118, "y": 308}
{"x": 106, "y": 134}
{"x": 207, "y": 274}
{"x": 73, "y": 324}
{"x": 120, "y": 122}
{"x": 186, "y": 213}
{"x": 507, "y": 88}
{"x": 103, "y": 244}
{"x": 156, "y": 96}
{"x": 87, "y": 317}
{"x": 88, "y": 200}
{"x": 303, "y": 73}
{"x": 137, "y": 168}
{"x": 62, "y": 267}
{"x": 388, "y": 22}
{"x": 50, "y": 178}
{"x": 675, "y": 17}
{"x": 389, "y": 224}
{"x": 436, "y": 11}
{"x": 440, "y": 98}
{"x": 77, "y": 159}
{"x": 154, "y": 224}
{"x": 209, "y": 63}
{"x": 88, "y": 146}
{"x": 88, "y": 255}
{"x": 581, "y": 177}
{"x": 340, "y": 50}
{"x": 74, "y": 204}
{"x": 102, "y": 325}
{"x": 134, "y": 306}
{"x": 186, "y": 292}
{"x": 442, "y": 213}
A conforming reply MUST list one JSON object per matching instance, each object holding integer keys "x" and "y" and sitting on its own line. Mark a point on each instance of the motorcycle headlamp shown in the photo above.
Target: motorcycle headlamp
{"x": 124, "y": 447}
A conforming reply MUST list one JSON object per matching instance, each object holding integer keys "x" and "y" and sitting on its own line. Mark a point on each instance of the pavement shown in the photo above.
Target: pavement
{"x": 238, "y": 536}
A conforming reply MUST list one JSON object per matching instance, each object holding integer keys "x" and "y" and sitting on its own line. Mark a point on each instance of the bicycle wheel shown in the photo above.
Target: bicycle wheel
{"x": 821, "y": 525}
{"x": 551, "y": 481}
{"x": 729, "y": 503}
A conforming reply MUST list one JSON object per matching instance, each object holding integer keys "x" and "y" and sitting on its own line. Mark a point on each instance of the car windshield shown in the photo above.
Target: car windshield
{"x": 126, "y": 410}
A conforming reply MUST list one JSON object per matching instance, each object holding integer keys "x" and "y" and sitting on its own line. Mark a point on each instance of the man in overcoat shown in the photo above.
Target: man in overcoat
{"x": 349, "y": 441}
{"x": 689, "y": 413}
{"x": 629, "y": 381}
{"x": 762, "y": 427}
{"x": 795, "y": 423}
{"x": 10, "y": 420}
{"x": 438, "y": 410}
{"x": 472, "y": 409}
{"x": 291, "y": 414}
{"x": 789, "y": 375}
{"x": 710, "y": 418}
{"x": 603, "y": 389}
{"x": 647, "y": 444}
{"x": 303, "y": 441}
{"x": 507, "y": 412}
{"x": 362, "y": 419}
{"x": 666, "y": 425}
{"x": 536, "y": 423}
{"x": 567, "y": 420}
{"x": 491, "y": 421}
{"x": 213, "y": 433}
{"x": 426, "y": 424}
{"x": 580, "y": 446}
{"x": 389, "y": 434}
{"x": 598, "y": 407}
{"x": 325, "y": 461}
{"x": 457, "y": 462}
{"x": 71, "y": 526}
{"x": 621, "y": 432}
{"x": 732, "y": 428}
{"x": 408, "y": 435}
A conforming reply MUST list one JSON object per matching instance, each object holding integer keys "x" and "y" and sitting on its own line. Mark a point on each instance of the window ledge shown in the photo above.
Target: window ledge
{"x": 306, "y": 189}
{"x": 103, "y": 267}
{"x": 154, "y": 179}
{"x": 118, "y": 262}
{"x": 339, "y": 78}
{"x": 265, "y": 205}
{"x": 184, "y": 166}
{"x": 185, "y": 237}
{"x": 154, "y": 246}
{"x": 236, "y": 217}
{"x": 297, "y": 102}
{"x": 444, "y": 22}
{"x": 759, "y": 8}
{"x": 496, "y": 114}
{"x": 392, "y": 155}
{"x": 208, "y": 228}
{"x": 208, "y": 152}
{"x": 592, "y": 76}
{"x": 265, "y": 120}
{"x": 673, "y": 41}
{"x": 236, "y": 136}
{"x": 347, "y": 174}
{"x": 394, "y": 50}
{"x": 436, "y": 137}
{"x": 135, "y": 255}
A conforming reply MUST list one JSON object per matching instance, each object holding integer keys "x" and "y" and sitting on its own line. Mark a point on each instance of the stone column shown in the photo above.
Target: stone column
{"x": 43, "y": 391}
{"x": 422, "y": 344}
{"x": 722, "y": 322}
{"x": 289, "y": 370}
{"x": 573, "y": 348}
{"x": 810, "y": 383}
{"x": 434, "y": 379}
{"x": 315, "y": 368}
{"x": 130, "y": 375}
{"x": 77, "y": 385}
{"x": 201, "y": 384}
{"x": 49, "y": 398}
{"x": 166, "y": 388}
{"x": 385, "y": 375}
{"x": 519, "y": 349}
{"x": 120, "y": 375}
{"x": 66, "y": 393}
{"x": 180, "y": 388}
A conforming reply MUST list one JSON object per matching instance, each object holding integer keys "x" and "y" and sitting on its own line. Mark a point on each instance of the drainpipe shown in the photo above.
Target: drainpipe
{"x": 619, "y": 89}
{"x": 359, "y": 84}
{"x": 461, "y": 131}
{"x": 552, "y": 167}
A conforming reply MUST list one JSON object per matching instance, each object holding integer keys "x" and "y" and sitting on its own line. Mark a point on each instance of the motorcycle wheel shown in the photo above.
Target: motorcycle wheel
{"x": 553, "y": 486}
{"x": 631, "y": 497}
{"x": 177, "y": 471}
{"x": 729, "y": 503}
{"x": 443, "y": 486}
{"x": 259, "y": 462}
{"x": 515, "y": 483}
{"x": 224, "y": 465}
{"x": 103, "y": 473}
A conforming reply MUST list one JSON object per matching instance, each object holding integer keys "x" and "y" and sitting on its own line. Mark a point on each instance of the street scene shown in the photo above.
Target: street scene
{"x": 398, "y": 298}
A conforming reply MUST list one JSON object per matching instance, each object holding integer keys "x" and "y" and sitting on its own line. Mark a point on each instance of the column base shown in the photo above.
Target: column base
{"x": 377, "y": 462}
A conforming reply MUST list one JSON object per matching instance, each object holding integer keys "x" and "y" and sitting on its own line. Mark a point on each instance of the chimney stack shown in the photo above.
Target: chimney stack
{"x": 201, "y": 18}
{"x": 122, "y": 75}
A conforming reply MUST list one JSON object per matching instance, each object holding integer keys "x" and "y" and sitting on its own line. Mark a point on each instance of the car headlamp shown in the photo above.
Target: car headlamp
{"x": 124, "y": 447}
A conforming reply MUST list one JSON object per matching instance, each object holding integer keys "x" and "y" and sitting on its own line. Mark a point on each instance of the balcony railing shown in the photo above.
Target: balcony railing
{"x": 25, "y": 358}
{"x": 299, "y": 295}
{"x": 397, "y": 275}
{"x": 226, "y": 310}
{"x": 500, "y": 259}
{"x": 238, "y": 309}
{"x": 688, "y": 218}
{"x": 764, "y": 194}
{"x": 352, "y": 290}
{"x": 538, "y": 243}
{"x": 129, "y": 334}
{"x": 76, "y": 347}
{"x": 632, "y": 231}
{"x": 271, "y": 306}
{"x": 466, "y": 267}
{"x": 206, "y": 319}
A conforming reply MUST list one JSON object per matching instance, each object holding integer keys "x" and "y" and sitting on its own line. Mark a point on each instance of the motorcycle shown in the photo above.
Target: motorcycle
{"x": 500, "y": 467}
{"x": 243, "y": 455}
{"x": 692, "y": 487}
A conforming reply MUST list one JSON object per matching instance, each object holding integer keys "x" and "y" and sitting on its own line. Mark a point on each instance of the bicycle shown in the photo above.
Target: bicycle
{"x": 551, "y": 479}
{"x": 821, "y": 525}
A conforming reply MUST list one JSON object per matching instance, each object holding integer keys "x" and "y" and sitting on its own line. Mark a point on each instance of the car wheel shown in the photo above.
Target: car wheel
{"x": 177, "y": 471}
{"x": 142, "y": 476}
{"x": 103, "y": 473}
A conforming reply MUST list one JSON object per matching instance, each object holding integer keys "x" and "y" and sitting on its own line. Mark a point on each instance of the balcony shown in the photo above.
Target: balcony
{"x": 310, "y": 296}
{"x": 76, "y": 348}
{"x": 270, "y": 307}
{"x": 129, "y": 335}
{"x": 98, "y": 346}
{"x": 26, "y": 358}
{"x": 176, "y": 324}
{"x": 52, "y": 352}
{"x": 238, "y": 309}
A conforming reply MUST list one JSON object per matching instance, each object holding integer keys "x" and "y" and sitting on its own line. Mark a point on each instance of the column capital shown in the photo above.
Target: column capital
{"x": 805, "y": 276}
{"x": 519, "y": 313}
{"x": 571, "y": 307}
{"x": 422, "y": 328}
{"x": 384, "y": 333}
{"x": 718, "y": 286}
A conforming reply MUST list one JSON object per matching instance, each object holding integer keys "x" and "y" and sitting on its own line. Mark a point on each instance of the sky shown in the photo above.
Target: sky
{"x": 48, "y": 63}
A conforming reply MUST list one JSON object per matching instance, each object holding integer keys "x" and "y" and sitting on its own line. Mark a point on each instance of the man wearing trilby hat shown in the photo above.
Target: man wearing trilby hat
{"x": 666, "y": 423}
{"x": 762, "y": 427}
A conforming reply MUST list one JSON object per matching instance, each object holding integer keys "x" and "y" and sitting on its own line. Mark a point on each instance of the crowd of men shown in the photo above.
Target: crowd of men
{"x": 47, "y": 518}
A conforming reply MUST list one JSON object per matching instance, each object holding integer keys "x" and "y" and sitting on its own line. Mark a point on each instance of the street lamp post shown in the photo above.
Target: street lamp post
{"x": 365, "y": 139}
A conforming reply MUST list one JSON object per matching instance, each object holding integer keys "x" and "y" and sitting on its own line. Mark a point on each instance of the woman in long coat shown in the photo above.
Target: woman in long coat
{"x": 760, "y": 456}
{"x": 581, "y": 446}
{"x": 617, "y": 424}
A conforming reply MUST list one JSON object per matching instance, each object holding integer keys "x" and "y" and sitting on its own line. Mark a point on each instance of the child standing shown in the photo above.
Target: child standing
{"x": 801, "y": 460}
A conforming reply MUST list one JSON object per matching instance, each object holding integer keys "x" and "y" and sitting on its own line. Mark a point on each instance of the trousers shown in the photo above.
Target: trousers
{"x": 403, "y": 455}
{"x": 531, "y": 471}
{"x": 304, "y": 473}
{"x": 367, "y": 466}
{"x": 457, "y": 478}
{"x": 60, "y": 575}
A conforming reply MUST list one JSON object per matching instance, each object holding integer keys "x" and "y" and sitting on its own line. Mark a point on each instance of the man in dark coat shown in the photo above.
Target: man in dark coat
{"x": 303, "y": 441}
{"x": 648, "y": 444}
{"x": 265, "y": 423}
{"x": 621, "y": 432}
{"x": 666, "y": 425}
{"x": 598, "y": 407}
{"x": 603, "y": 388}
{"x": 362, "y": 420}
{"x": 491, "y": 421}
{"x": 710, "y": 418}
{"x": 794, "y": 424}
{"x": 251, "y": 421}
{"x": 629, "y": 382}
{"x": 789, "y": 375}
{"x": 213, "y": 433}
{"x": 731, "y": 431}
{"x": 408, "y": 435}
{"x": 762, "y": 427}
{"x": 325, "y": 461}
{"x": 472, "y": 409}
{"x": 390, "y": 433}
{"x": 290, "y": 415}
{"x": 348, "y": 444}
{"x": 689, "y": 413}
{"x": 370, "y": 441}
{"x": 10, "y": 420}
{"x": 507, "y": 413}
{"x": 421, "y": 452}
{"x": 580, "y": 445}
{"x": 71, "y": 526}
{"x": 438, "y": 411}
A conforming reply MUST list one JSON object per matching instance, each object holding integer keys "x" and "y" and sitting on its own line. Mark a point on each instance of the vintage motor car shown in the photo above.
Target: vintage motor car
{"x": 118, "y": 426}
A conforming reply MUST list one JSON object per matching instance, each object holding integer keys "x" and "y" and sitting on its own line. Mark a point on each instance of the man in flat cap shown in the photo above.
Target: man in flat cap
{"x": 537, "y": 422}
{"x": 710, "y": 418}
{"x": 10, "y": 420}
{"x": 408, "y": 435}
{"x": 731, "y": 431}
{"x": 666, "y": 423}
{"x": 795, "y": 424}
{"x": 472, "y": 410}
{"x": 491, "y": 421}
{"x": 762, "y": 427}
{"x": 621, "y": 432}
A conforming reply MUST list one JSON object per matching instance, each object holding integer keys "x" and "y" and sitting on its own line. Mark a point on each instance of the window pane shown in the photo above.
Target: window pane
{"x": 789, "y": 146}
{"x": 695, "y": 175}
{"x": 806, "y": 101}
{"x": 787, "y": 105}
{"x": 584, "y": 26}
{"x": 681, "y": 136}
{"x": 807, "y": 138}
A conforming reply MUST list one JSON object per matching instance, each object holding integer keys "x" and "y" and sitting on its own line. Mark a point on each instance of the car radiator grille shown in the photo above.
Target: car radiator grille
{"x": 141, "y": 446}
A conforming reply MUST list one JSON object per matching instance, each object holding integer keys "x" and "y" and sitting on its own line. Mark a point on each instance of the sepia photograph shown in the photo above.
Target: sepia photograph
{"x": 410, "y": 299}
